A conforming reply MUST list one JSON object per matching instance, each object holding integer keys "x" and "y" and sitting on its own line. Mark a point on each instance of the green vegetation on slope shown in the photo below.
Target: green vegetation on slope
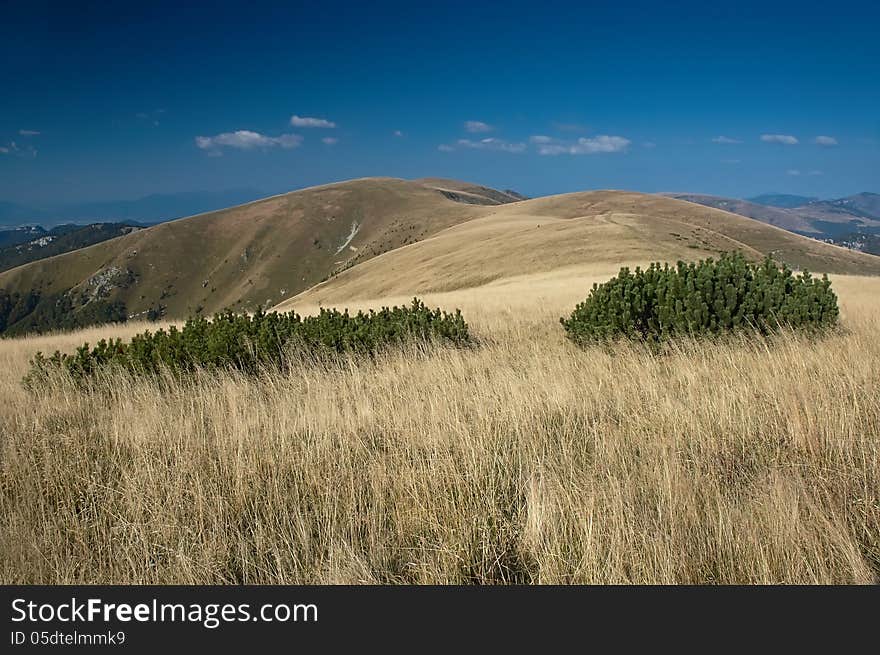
{"x": 704, "y": 298}
{"x": 249, "y": 343}
{"x": 31, "y": 313}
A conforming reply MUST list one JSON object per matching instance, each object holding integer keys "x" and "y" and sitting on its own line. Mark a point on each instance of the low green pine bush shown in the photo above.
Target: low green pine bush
{"x": 702, "y": 299}
{"x": 249, "y": 343}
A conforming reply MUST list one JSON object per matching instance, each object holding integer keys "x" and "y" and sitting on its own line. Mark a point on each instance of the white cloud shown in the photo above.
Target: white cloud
{"x": 825, "y": 141}
{"x": 477, "y": 126}
{"x": 330, "y": 141}
{"x": 540, "y": 138}
{"x": 247, "y": 140}
{"x": 585, "y": 146}
{"x": 491, "y": 143}
{"x": 308, "y": 121}
{"x": 12, "y": 148}
{"x": 725, "y": 139}
{"x": 28, "y": 132}
{"x": 793, "y": 171}
{"x": 397, "y": 133}
{"x": 785, "y": 139}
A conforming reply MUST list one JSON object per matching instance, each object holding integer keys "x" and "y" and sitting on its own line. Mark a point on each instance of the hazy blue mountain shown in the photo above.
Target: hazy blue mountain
{"x": 149, "y": 209}
{"x": 853, "y": 221}
{"x": 864, "y": 205}
{"x": 159, "y": 207}
{"x": 60, "y": 239}
{"x": 14, "y": 214}
{"x": 15, "y": 235}
{"x": 784, "y": 200}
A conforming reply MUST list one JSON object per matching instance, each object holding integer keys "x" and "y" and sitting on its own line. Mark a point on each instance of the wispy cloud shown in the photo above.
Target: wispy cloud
{"x": 309, "y": 121}
{"x": 489, "y": 143}
{"x": 601, "y": 143}
{"x": 29, "y": 133}
{"x": 397, "y": 133}
{"x": 725, "y": 140}
{"x": 246, "y": 140}
{"x": 476, "y": 127}
{"x": 151, "y": 116}
{"x": 540, "y": 138}
{"x": 15, "y": 150}
{"x": 492, "y": 144}
{"x": 330, "y": 141}
{"x": 825, "y": 141}
{"x": 784, "y": 139}
{"x": 793, "y": 171}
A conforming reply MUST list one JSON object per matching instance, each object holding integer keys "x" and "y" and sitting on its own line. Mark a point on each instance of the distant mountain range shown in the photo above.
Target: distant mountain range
{"x": 784, "y": 200}
{"x": 150, "y": 209}
{"x": 28, "y": 244}
{"x": 839, "y": 220}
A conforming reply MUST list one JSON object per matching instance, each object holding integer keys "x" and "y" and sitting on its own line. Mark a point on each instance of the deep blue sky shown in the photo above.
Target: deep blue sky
{"x": 625, "y": 95}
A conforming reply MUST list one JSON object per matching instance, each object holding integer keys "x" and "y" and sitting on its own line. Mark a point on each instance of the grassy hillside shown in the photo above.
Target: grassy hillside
{"x": 258, "y": 253}
{"x": 471, "y": 193}
{"x": 267, "y": 252}
{"x": 823, "y": 219}
{"x": 862, "y": 205}
{"x": 586, "y": 232}
{"x": 786, "y": 218}
{"x": 526, "y": 459}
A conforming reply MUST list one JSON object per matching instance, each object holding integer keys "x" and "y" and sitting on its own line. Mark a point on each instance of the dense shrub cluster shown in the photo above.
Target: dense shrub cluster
{"x": 249, "y": 342}
{"x": 704, "y": 298}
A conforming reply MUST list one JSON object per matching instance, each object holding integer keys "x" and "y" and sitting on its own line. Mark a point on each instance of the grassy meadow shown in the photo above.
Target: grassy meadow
{"x": 523, "y": 460}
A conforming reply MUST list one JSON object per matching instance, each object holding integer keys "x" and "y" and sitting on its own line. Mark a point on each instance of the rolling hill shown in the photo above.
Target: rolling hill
{"x": 378, "y": 237}
{"x": 784, "y": 218}
{"x": 257, "y": 253}
{"x": 844, "y": 214}
{"x": 581, "y": 235}
{"x": 474, "y": 194}
{"x": 822, "y": 219}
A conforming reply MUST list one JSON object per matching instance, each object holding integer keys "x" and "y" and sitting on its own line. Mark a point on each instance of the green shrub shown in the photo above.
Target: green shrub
{"x": 251, "y": 342}
{"x": 704, "y": 298}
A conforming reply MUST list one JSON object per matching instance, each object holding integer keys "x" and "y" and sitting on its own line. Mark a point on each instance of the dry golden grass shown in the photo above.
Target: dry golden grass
{"x": 522, "y": 460}
{"x": 593, "y": 231}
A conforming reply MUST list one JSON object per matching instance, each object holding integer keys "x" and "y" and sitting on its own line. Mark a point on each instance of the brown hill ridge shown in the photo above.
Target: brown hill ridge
{"x": 599, "y": 230}
{"x": 257, "y": 253}
{"x": 379, "y": 236}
